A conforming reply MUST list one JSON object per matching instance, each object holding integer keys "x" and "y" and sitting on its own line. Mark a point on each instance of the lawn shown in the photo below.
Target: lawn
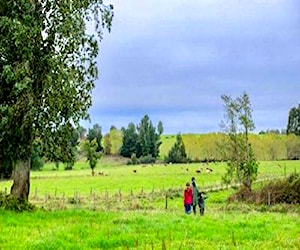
{"x": 148, "y": 229}
{"x": 141, "y": 207}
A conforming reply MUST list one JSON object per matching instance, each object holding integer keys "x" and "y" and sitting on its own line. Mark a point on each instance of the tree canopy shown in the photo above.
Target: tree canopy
{"x": 293, "y": 126}
{"x": 47, "y": 72}
{"x": 141, "y": 140}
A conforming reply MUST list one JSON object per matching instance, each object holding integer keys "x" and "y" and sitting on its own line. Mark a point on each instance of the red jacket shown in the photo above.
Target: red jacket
{"x": 188, "y": 196}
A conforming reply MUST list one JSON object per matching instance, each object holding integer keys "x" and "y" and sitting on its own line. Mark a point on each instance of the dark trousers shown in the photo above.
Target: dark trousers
{"x": 187, "y": 208}
{"x": 201, "y": 205}
{"x": 194, "y": 208}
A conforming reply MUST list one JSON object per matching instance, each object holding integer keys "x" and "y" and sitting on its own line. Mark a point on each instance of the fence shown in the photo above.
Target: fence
{"x": 159, "y": 198}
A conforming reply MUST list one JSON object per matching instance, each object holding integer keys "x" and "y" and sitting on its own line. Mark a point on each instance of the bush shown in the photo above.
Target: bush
{"x": 147, "y": 159}
{"x": 133, "y": 160}
{"x": 12, "y": 203}
{"x": 281, "y": 191}
{"x": 285, "y": 191}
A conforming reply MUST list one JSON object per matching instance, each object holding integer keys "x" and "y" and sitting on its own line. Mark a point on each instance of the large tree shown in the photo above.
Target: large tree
{"x": 242, "y": 165}
{"x": 47, "y": 73}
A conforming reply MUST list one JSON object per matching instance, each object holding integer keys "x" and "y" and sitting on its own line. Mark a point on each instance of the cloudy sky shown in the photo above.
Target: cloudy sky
{"x": 173, "y": 59}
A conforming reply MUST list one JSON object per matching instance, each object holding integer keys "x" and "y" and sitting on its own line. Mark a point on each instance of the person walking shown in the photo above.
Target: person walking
{"x": 188, "y": 198}
{"x": 195, "y": 194}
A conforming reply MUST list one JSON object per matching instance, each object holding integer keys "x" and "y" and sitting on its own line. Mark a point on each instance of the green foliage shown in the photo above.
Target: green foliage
{"x": 293, "y": 126}
{"x": 91, "y": 153}
{"x": 147, "y": 159}
{"x": 129, "y": 141}
{"x": 242, "y": 165}
{"x": 37, "y": 161}
{"x": 177, "y": 153}
{"x": 107, "y": 144}
{"x": 293, "y": 147}
{"x": 160, "y": 128}
{"x": 82, "y": 132}
{"x": 148, "y": 141}
{"x": 6, "y": 168}
{"x": 143, "y": 140}
{"x": 47, "y": 71}
{"x": 113, "y": 141}
{"x": 9, "y": 202}
{"x": 133, "y": 160}
{"x": 96, "y": 134}
{"x": 282, "y": 191}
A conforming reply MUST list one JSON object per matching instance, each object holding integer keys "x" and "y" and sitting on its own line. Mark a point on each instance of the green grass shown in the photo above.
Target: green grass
{"x": 83, "y": 229}
{"x": 127, "y": 210}
{"x": 121, "y": 178}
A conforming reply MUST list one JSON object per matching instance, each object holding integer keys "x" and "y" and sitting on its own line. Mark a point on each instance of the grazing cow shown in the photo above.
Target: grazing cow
{"x": 187, "y": 169}
{"x": 101, "y": 172}
{"x": 134, "y": 170}
{"x": 198, "y": 171}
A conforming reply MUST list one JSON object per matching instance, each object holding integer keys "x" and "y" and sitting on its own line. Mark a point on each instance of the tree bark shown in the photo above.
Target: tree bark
{"x": 21, "y": 179}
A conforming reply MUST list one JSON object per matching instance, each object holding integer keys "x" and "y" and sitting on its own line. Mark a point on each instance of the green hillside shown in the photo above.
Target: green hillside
{"x": 209, "y": 146}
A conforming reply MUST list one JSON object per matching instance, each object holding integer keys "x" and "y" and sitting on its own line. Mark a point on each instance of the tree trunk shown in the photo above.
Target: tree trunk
{"x": 21, "y": 179}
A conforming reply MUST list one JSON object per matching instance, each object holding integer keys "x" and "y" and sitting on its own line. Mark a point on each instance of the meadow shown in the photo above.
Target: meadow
{"x": 141, "y": 207}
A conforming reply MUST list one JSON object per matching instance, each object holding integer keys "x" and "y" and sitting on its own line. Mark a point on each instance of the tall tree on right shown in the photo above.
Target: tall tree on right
{"x": 293, "y": 126}
{"x": 238, "y": 123}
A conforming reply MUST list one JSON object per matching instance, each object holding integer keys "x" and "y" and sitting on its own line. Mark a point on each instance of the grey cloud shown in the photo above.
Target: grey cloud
{"x": 174, "y": 59}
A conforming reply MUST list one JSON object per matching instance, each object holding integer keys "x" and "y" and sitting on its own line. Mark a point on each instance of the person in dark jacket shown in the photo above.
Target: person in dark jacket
{"x": 201, "y": 202}
{"x": 195, "y": 194}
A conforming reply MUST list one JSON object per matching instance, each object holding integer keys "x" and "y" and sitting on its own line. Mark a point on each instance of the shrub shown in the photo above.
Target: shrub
{"x": 147, "y": 159}
{"x": 12, "y": 203}
{"x": 285, "y": 191}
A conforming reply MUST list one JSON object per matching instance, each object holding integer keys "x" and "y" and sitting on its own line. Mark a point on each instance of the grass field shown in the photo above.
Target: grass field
{"x": 126, "y": 209}
{"x": 82, "y": 229}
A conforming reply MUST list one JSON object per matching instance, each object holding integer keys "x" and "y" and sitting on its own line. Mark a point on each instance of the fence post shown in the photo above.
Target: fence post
{"x": 63, "y": 198}
{"x": 120, "y": 194}
{"x": 166, "y": 200}
{"x": 106, "y": 194}
{"x": 94, "y": 201}
{"x": 269, "y": 198}
{"x": 36, "y": 194}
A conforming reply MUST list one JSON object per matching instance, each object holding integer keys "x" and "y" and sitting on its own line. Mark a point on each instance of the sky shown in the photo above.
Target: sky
{"x": 173, "y": 59}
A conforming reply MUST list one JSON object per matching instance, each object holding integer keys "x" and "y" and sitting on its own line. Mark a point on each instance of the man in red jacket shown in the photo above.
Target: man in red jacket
{"x": 188, "y": 198}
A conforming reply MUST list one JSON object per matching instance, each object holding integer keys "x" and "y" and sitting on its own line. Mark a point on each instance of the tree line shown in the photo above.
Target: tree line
{"x": 145, "y": 143}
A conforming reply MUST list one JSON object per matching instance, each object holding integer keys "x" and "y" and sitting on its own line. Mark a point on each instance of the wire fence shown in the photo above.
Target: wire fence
{"x": 156, "y": 198}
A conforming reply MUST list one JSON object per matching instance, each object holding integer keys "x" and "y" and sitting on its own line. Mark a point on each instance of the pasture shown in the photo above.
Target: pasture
{"x": 141, "y": 207}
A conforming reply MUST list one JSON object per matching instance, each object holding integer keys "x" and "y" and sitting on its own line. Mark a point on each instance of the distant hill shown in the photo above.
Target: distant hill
{"x": 205, "y": 146}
